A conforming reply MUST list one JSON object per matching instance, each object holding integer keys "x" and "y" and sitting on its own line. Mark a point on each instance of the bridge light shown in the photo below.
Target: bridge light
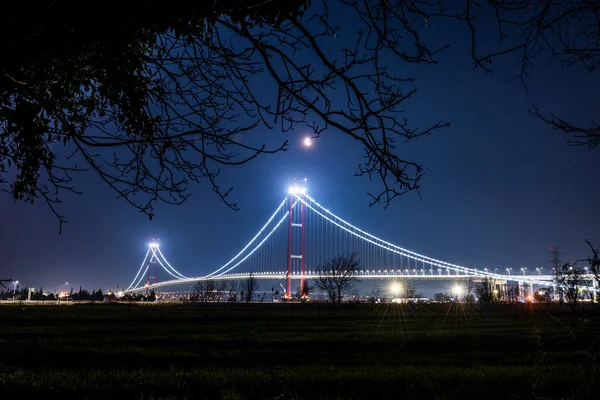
{"x": 295, "y": 189}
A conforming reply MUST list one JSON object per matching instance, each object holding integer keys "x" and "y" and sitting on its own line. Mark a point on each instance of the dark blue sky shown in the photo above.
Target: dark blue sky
{"x": 501, "y": 186}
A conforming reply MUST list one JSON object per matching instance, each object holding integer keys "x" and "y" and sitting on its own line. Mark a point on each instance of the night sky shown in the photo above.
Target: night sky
{"x": 501, "y": 187}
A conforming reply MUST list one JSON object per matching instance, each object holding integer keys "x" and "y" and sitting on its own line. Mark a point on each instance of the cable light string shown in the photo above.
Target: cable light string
{"x": 251, "y": 241}
{"x": 165, "y": 268}
{"x": 167, "y": 262}
{"x": 325, "y": 224}
{"x": 400, "y": 251}
{"x": 407, "y": 253}
{"x": 140, "y": 270}
{"x": 261, "y": 243}
{"x": 137, "y": 285}
{"x": 222, "y": 274}
{"x": 174, "y": 274}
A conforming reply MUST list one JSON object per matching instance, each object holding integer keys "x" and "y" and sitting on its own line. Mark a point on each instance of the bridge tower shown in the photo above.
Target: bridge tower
{"x": 295, "y": 190}
{"x": 151, "y": 267}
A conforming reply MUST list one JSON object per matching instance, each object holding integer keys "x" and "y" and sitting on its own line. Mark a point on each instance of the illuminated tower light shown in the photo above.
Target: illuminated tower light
{"x": 297, "y": 189}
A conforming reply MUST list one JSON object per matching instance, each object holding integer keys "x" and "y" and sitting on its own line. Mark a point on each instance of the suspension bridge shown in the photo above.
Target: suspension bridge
{"x": 301, "y": 235}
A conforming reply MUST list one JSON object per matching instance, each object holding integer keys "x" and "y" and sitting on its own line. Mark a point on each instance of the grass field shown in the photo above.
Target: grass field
{"x": 300, "y": 351}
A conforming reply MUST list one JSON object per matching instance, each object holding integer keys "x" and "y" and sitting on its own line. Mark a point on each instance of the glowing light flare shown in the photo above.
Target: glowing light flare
{"x": 457, "y": 290}
{"x": 297, "y": 189}
{"x": 307, "y": 141}
{"x": 395, "y": 288}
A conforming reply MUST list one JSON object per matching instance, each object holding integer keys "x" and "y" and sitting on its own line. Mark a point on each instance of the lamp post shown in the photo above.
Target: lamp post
{"x": 15, "y": 283}
{"x": 457, "y": 290}
{"x": 508, "y": 270}
{"x": 395, "y": 288}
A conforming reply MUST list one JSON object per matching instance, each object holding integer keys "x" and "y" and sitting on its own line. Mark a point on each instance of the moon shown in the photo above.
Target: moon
{"x": 307, "y": 142}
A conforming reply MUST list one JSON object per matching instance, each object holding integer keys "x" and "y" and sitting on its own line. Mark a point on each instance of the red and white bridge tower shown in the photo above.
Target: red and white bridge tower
{"x": 295, "y": 222}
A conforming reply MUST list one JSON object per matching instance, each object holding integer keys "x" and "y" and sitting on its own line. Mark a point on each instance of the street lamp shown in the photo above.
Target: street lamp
{"x": 457, "y": 291}
{"x": 396, "y": 288}
{"x": 523, "y": 270}
{"x": 508, "y": 270}
{"x": 15, "y": 283}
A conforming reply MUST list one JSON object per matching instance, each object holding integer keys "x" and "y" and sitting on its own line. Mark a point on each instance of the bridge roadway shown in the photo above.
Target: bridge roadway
{"x": 535, "y": 279}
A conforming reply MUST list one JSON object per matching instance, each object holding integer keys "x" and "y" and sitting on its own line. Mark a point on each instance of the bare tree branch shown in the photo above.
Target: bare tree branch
{"x": 533, "y": 31}
{"x": 182, "y": 95}
{"x": 249, "y": 287}
{"x": 338, "y": 276}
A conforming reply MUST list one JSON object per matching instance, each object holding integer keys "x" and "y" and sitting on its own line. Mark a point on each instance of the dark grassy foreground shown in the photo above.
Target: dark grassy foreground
{"x": 282, "y": 351}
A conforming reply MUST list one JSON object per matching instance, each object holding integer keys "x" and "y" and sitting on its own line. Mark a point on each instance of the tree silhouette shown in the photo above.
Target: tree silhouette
{"x": 221, "y": 287}
{"x": 573, "y": 280}
{"x": 408, "y": 290}
{"x": 442, "y": 297}
{"x": 485, "y": 291}
{"x": 533, "y": 32}
{"x": 249, "y": 287}
{"x": 594, "y": 268}
{"x": 338, "y": 276}
{"x": 376, "y": 294}
{"x": 205, "y": 290}
{"x": 469, "y": 288}
{"x": 172, "y": 95}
